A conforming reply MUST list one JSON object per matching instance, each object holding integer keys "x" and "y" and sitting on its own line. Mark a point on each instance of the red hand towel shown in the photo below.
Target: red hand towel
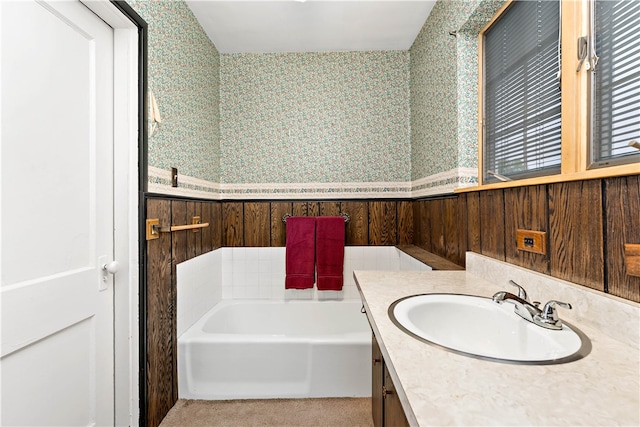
{"x": 330, "y": 252}
{"x": 300, "y": 253}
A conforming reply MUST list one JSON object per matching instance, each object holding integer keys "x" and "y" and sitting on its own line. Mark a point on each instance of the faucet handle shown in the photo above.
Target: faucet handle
{"x": 521, "y": 292}
{"x": 548, "y": 318}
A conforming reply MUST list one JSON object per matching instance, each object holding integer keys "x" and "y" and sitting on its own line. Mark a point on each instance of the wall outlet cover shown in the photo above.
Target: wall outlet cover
{"x": 532, "y": 241}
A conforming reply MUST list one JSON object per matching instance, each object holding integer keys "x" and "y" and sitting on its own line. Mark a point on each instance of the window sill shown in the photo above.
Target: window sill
{"x": 613, "y": 171}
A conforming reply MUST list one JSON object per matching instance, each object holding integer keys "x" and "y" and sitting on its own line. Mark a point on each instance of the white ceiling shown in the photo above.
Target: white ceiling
{"x": 311, "y": 26}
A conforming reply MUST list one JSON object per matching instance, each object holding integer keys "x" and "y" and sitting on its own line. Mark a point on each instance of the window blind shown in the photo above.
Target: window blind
{"x": 616, "y": 118}
{"x": 522, "y": 92}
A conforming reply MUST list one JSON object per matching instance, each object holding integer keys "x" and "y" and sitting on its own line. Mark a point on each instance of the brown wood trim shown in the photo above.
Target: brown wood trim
{"x": 432, "y": 260}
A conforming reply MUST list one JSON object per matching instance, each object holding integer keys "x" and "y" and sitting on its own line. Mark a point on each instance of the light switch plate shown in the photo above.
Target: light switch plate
{"x": 532, "y": 241}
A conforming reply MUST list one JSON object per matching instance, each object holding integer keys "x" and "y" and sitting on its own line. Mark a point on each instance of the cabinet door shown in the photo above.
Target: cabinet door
{"x": 393, "y": 412}
{"x": 377, "y": 378}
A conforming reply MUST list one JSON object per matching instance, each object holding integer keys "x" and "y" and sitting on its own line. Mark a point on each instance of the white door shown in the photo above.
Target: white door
{"x": 56, "y": 215}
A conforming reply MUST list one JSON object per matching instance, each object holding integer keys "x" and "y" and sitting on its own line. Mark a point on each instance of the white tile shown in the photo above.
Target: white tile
{"x": 298, "y": 293}
{"x": 239, "y": 292}
{"x": 278, "y": 292}
{"x": 252, "y": 292}
{"x": 227, "y": 277}
{"x": 347, "y": 264}
{"x": 356, "y": 252}
{"x": 265, "y": 292}
{"x": 264, "y": 266}
{"x": 227, "y": 293}
{"x": 252, "y": 260}
{"x": 252, "y": 278}
{"x": 227, "y": 254}
{"x": 369, "y": 264}
{"x": 239, "y": 254}
{"x": 238, "y": 266}
{"x": 239, "y": 278}
{"x": 330, "y": 295}
{"x": 265, "y": 254}
{"x": 278, "y": 263}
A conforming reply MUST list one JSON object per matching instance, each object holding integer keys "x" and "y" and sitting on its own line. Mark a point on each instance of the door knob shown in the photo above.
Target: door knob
{"x": 111, "y": 267}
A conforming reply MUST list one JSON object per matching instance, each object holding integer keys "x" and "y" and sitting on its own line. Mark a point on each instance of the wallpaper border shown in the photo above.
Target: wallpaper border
{"x": 444, "y": 182}
{"x": 438, "y": 184}
{"x": 160, "y": 182}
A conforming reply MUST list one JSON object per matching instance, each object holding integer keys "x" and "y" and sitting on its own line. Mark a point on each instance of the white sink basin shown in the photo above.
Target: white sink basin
{"x": 479, "y": 327}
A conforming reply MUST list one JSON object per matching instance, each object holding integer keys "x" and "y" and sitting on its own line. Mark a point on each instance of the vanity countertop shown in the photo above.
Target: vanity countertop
{"x": 438, "y": 387}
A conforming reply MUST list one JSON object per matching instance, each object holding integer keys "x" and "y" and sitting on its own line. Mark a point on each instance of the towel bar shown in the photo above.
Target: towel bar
{"x": 345, "y": 215}
{"x": 154, "y": 229}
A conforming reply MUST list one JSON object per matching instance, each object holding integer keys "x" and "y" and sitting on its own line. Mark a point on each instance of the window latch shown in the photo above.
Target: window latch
{"x": 583, "y": 49}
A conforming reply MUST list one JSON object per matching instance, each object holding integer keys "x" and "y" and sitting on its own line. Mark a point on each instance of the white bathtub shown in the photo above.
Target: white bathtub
{"x": 250, "y": 349}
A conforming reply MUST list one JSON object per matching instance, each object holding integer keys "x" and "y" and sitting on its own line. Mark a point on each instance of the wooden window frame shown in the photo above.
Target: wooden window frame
{"x": 575, "y": 148}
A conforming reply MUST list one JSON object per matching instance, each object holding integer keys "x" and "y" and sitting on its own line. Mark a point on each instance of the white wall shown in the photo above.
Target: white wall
{"x": 258, "y": 273}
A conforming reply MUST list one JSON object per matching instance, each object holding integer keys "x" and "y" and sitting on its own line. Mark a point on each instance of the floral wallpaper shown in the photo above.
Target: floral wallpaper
{"x": 444, "y": 89}
{"x": 183, "y": 72}
{"x": 401, "y": 123}
{"x": 315, "y": 117}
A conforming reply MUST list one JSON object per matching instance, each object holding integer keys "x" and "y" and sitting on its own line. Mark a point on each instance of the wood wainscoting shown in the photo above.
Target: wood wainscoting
{"x": 160, "y": 384}
{"x": 372, "y": 223}
{"x": 587, "y": 223}
{"x": 231, "y": 224}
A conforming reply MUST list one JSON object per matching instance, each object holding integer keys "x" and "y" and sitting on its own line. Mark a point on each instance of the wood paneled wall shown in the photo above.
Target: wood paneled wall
{"x": 375, "y": 223}
{"x": 162, "y": 256}
{"x": 587, "y": 225}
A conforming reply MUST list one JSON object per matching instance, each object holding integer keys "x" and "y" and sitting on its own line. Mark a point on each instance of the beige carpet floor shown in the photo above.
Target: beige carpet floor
{"x": 327, "y": 412}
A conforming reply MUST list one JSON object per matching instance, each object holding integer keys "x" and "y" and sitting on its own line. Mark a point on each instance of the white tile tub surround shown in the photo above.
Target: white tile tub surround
{"x": 258, "y": 273}
{"x": 617, "y": 317}
{"x": 199, "y": 288}
{"x": 253, "y": 273}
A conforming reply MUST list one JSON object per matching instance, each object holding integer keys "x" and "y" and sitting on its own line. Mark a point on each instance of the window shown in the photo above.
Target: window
{"x": 616, "y": 82}
{"x": 522, "y": 92}
{"x": 546, "y": 114}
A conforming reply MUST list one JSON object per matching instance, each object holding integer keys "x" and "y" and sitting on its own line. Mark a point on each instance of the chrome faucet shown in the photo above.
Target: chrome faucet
{"x": 523, "y": 308}
{"x": 546, "y": 318}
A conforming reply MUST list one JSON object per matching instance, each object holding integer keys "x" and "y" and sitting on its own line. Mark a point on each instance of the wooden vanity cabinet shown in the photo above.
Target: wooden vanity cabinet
{"x": 386, "y": 408}
{"x": 377, "y": 382}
